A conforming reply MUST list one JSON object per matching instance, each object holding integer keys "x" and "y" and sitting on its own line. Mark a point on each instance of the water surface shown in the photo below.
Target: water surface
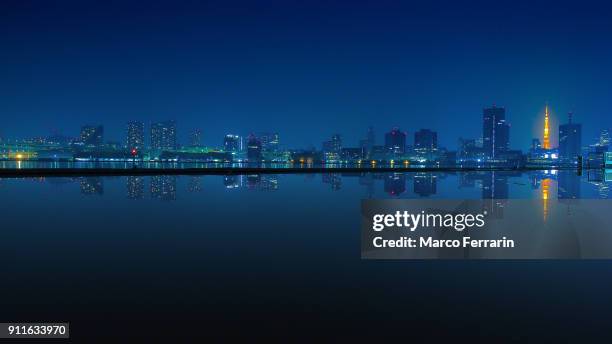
{"x": 273, "y": 253}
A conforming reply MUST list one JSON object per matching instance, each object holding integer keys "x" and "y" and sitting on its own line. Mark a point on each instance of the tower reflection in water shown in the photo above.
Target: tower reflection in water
{"x": 494, "y": 186}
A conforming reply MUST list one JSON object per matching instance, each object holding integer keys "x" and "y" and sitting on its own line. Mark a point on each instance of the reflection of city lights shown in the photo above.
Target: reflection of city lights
{"x": 545, "y": 196}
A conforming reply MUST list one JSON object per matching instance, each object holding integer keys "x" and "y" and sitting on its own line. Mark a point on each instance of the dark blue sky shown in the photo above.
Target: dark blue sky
{"x": 303, "y": 68}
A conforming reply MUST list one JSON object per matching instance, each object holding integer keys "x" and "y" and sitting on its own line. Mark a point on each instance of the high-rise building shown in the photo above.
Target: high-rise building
{"x": 495, "y": 131}
{"x": 395, "y": 141}
{"x": 269, "y": 141}
{"x": 195, "y": 138}
{"x": 425, "y": 139}
{"x": 232, "y": 143}
{"x": 334, "y": 145}
{"x": 92, "y": 135}
{"x": 163, "y": 135}
{"x": 332, "y": 149}
{"x": 135, "y": 135}
{"x": 570, "y": 140}
{"x": 253, "y": 149}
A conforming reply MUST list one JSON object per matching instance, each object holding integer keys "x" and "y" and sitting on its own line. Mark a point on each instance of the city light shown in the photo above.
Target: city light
{"x": 546, "y": 144}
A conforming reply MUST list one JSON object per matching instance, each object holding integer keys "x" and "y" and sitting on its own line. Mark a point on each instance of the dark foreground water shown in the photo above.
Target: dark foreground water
{"x": 276, "y": 255}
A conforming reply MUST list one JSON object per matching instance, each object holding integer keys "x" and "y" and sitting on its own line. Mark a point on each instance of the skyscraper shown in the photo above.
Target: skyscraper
{"x": 232, "y": 143}
{"x": 395, "y": 141}
{"x": 495, "y": 131}
{"x": 253, "y": 149}
{"x": 334, "y": 145}
{"x": 135, "y": 135}
{"x": 163, "y": 135}
{"x": 92, "y": 135}
{"x": 425, "y": 139}
{"x": 570, "y": 140}
{"x": 269, "y": 141}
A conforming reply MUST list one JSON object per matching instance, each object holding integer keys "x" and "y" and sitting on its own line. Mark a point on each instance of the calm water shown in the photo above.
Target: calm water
{"x": 246, "y": 255}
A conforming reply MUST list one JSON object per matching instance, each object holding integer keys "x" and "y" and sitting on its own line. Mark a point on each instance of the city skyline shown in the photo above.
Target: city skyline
{"x": 307, "y": 70}
{"x": 146, "y": 134}
{"x": 185, "y": 137}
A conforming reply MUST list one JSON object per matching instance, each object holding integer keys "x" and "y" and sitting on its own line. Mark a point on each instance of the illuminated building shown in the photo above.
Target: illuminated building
{"x": 163, "y": 135}
{"x": 352, "y": 154}
{"x": 469, "y": 153}
{"x": 92, "y": 135}
{"x": 135, "y": 136}
{"x": 425, "y": 139}
{"x": 232, "y": 143}
{"x": 570, "y": 140}
{"x": 395, "y": 141}
{"x": 546, "y": 138}
{"x": 269, "y": 141}
{"x": 333, "y": 148}
{"x": 495, "y": 131}
{"x": 253, "y": 149}
{"x": 426, "y": 143}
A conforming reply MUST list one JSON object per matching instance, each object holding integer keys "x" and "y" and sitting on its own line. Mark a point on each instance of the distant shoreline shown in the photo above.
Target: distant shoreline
{"x": 138, "y": 171}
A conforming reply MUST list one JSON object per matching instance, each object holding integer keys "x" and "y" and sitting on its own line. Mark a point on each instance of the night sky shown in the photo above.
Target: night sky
{"x": 305, "y": 69}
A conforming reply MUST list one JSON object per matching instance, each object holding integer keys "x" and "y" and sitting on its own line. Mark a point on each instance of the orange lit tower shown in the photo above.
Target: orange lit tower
{"x": 546, "y": 141}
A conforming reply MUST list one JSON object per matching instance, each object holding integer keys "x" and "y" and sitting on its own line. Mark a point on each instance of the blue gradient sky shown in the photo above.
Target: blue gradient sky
{"x": 304, "y": 69}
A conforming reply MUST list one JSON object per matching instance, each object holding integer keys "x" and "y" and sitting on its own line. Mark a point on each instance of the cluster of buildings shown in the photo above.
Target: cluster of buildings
{"x": 493, "y": 149}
